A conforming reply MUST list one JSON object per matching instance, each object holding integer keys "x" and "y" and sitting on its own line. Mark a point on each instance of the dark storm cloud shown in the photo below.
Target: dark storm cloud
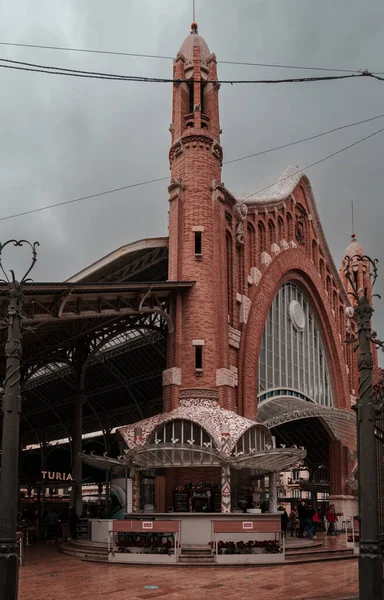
{"x": 62, "y": 138}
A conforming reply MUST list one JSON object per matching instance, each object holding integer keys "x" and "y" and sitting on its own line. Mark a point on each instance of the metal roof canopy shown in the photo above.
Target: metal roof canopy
{"x": 340, "y": 424}
{"x": 125, "y": 374}
{"x": 183, "y": 455}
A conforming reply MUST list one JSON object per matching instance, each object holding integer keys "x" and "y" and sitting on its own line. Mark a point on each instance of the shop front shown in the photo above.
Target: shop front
{"x": 193, "y": 466}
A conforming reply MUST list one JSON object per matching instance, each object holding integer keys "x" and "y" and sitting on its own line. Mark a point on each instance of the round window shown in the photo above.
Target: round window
{"x": 297, "y": 315}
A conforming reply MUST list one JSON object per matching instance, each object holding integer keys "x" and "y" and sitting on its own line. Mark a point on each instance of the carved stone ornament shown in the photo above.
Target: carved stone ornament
{"x": 349, "y": 312}
{"x": 240, "y": 211}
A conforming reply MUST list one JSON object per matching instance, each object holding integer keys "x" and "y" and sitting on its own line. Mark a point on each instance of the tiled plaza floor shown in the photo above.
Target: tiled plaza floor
{"x": 48, "y": 575}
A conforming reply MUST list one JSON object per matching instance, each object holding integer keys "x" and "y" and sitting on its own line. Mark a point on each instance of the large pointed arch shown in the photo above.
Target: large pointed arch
{"x": 291, "y": 265}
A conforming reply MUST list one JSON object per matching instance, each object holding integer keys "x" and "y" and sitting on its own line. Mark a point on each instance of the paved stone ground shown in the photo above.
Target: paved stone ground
{"x": 49, "y": 575}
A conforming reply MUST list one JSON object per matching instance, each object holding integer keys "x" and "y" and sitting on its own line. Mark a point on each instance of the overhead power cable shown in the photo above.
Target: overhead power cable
{"x": 317, "y": 162}
{"x": 53, "y": 70}
{"x": 307, "y": 139}
{"x": 133, "y": 185}
{"x": 158, "y": 56}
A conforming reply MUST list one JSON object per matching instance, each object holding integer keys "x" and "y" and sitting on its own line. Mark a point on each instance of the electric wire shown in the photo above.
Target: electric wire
{"x": 53, "y": 70}
{"x": 162, "y": 57}
{"x": 306, "y": 168}
{"x": 150, "y": 181}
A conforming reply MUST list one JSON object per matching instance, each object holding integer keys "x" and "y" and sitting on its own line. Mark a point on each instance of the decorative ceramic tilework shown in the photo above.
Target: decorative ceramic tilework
{"x": 205, "y": 413}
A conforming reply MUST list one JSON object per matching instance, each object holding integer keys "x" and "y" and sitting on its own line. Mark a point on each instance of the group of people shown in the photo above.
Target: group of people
{"x": 305, "y": 521}
{"x": 61, "y": 526}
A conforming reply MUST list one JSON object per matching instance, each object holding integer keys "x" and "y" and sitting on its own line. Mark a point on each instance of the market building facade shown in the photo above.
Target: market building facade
{"x": 257, "y": 359}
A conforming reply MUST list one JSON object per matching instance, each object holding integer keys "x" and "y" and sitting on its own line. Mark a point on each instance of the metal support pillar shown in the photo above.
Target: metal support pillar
{"x": 9, "y": 560}
{"x": 11, "y": 407}
{"x": 273, "y": 492}
{"x": 77, "y": 498}
{"x": 370, "y": 559}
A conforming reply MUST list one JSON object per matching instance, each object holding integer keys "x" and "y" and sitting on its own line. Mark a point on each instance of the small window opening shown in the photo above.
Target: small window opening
{"x": 202, "y": 97}
{"x": 191, "y": 93}
{"x": 198, "y": 242}
{"x": 198, "y": 357}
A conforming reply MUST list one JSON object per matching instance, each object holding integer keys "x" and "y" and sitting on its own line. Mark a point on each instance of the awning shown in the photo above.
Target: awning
{"x": 175, "y": 455}
{"x": 341, "y": 424}
{"x": 106, "y": 463}
{"x": 184, "y": 455}
{"x": 273, "y": 460}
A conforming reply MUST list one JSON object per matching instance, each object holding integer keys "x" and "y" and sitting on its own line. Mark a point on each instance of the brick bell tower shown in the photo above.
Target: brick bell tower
{"x": 197, "y": 362}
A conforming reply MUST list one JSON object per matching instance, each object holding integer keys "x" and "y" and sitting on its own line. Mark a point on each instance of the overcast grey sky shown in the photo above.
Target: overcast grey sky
{"x": 63, "y": 138}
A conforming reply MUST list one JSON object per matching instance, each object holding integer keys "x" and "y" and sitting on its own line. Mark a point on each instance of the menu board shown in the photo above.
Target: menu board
{"x": 181, "y": 502}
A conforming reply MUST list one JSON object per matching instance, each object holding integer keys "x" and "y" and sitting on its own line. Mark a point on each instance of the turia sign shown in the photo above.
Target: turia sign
{"x": 56, "y": 476}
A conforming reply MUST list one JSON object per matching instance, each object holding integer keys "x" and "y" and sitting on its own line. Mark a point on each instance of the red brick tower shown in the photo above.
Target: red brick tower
{"x": 196, "y": 351}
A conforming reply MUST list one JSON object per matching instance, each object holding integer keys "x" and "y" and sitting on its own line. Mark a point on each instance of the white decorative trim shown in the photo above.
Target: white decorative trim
{"x": 284, "y": 245}
{"x": 198, "y": 342}
{"x": 292, "y": 244}
{"x": 234, "y": 337}
{"x": 238, "y": 297}
{"x": 275, "y": 248}
{"x": 265, "y": 258}
{"x": 225, "y": 377}
{"x": 255, "y": 275}
{"x": 198, "y": 228}
{"x": 245, "y": 307}
{"x": 172, "y": 376}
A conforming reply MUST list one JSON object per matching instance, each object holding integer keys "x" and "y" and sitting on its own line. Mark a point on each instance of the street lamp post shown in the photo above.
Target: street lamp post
{"x": 11, "y": 408}
{"x": 370, "y": 558}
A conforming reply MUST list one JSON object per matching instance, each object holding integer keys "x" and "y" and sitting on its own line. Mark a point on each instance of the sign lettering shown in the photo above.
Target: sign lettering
{"x": 56, "y": 476}
{"x": 147, "y": 525}
{"x": 247, "y": 525}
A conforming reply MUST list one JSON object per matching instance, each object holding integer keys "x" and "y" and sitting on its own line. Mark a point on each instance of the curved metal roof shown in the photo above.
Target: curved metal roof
{"x": 340, "y": 424}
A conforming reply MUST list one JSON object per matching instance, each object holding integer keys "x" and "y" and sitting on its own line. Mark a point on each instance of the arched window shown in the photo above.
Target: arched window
{"x": 253, "y": 439}
{"x": 251, "y": 244}
{"x": 335, "y": 301}
{"x": 261, "y": 232}
{"x": 289, "y": 227}
{"x": 321, "y": 269}
{"x": 314, "y": 252}
{"x": 280, "y": 227}
{"x": 181, "y": 430}
{"x": 328, "y": 287}
{"x": 272, "y": 232}
{"x": 229, "y": 253}
{"x": 342, "y": 323}
{"x": 292, "y": 359}
{"x": 240, "y": 269}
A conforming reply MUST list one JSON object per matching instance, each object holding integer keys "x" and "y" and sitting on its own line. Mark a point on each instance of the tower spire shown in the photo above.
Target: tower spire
{"x": 193, "y": 12}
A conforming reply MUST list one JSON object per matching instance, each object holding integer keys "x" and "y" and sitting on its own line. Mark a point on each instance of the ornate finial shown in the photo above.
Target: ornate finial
{"x": 194, "y": 24}
{"x": 353, "y": 235}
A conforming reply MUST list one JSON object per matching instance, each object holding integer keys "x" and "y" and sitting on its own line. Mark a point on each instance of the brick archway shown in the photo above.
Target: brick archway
{"x": 290, "y": 265}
